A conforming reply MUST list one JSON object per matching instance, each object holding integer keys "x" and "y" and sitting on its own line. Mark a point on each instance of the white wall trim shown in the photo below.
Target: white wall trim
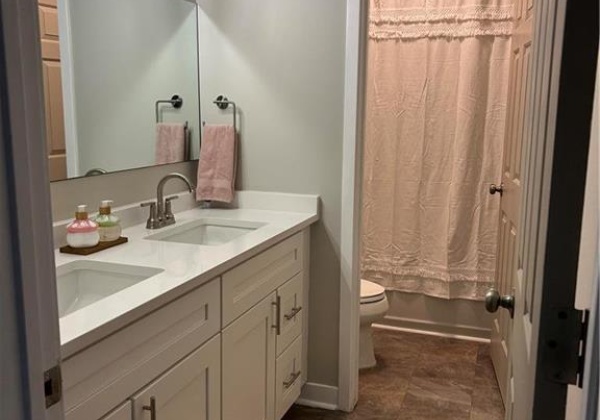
{"x": 350, "y": 214}
{"x": 319, "y": 396}
{"x": 416, "y": 326}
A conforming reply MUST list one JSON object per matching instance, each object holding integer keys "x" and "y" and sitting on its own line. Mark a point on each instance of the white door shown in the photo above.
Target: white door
{"x": 511, "y": 192}
{"x": 191, "y": 390}
{"x": 523, "y": 222}
{"x": 249, "y": 364}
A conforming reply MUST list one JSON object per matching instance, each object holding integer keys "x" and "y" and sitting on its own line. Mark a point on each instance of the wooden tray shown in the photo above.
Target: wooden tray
{"x": 88, "y": 251}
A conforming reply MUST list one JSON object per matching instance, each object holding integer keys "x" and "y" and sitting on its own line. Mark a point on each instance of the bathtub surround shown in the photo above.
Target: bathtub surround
{"x": 437, "y": 83}
{"x": 462, "y": 318}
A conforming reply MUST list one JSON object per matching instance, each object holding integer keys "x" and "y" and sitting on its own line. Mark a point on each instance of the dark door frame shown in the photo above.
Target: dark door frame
{"x": 574, "y": 110}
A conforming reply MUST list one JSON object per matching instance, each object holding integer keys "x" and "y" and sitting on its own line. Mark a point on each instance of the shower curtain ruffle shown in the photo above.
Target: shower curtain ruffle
{"x": 431, "y": 21}
{"x": 437, "y": 84}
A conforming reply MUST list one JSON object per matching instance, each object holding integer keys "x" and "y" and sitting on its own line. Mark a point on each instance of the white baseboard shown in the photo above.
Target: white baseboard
{"x": 461, "y": 332}
{"x": 319, "y": 396}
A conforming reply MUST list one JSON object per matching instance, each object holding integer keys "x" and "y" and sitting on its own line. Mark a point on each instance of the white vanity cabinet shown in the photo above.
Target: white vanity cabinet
{"x": 191, "y": 390}
{"x": 110, "y": 371}
{"x": 263, "y": 347}
{"x": 231, "y": 349}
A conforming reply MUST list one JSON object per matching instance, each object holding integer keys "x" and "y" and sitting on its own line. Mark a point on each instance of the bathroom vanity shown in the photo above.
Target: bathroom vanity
{"x": 205, "y": 319}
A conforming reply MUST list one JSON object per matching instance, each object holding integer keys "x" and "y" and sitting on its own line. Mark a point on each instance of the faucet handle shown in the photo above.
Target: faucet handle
{"x": 169, "y": 218}
{"x": 153, "y": 222}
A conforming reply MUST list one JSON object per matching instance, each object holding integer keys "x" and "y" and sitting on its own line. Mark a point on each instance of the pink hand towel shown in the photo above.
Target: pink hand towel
{"x": 217, "y": 165}
{"x": 170, "y": 143}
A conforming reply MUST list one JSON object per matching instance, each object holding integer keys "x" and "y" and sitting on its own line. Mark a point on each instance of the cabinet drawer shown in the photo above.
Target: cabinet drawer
{"x": 248, "y": 283}
{"x": 191, "y": 390}
{"x": 102, "y": 376}
{"x": 290, "y": 297}
{"x": 121, "y": 413}
{"x": 288, "y": 383}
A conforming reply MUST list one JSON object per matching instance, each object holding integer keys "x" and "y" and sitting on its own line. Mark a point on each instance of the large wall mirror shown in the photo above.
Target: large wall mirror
{"x": 121, "y": 84}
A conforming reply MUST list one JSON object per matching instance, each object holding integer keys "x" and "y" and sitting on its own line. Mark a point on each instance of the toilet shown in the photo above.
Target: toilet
{"x": 373, "y": 307}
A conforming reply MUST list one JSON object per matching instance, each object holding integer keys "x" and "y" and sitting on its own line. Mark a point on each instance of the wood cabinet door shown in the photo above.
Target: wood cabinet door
{"x": 191, "y": 390}
{"x": 249, "y": 364}
{"x": 53, "y": 97}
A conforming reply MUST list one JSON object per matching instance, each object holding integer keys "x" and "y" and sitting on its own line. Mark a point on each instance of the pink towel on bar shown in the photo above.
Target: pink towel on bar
{"x": 170, "y": 143}
{"x": 217, "y": 165}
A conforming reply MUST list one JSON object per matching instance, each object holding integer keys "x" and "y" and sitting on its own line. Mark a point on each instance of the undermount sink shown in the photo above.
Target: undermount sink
{"x": 208, "y": 231}
{"x": 81, "y": 283}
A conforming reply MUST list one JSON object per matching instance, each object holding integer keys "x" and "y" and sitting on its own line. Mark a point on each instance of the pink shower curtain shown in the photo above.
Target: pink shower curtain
{"x": 437, "y": 84}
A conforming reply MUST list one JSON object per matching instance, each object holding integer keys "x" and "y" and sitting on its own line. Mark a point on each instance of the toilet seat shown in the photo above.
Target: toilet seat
{"x": 371, "y": 292}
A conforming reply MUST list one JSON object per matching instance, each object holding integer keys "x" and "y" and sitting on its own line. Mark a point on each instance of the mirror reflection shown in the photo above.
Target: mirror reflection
{"x": 121, "y": 84}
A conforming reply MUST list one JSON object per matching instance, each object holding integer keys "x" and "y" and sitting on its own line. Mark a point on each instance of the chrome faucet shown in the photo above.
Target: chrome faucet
{"x": 161, "y": 213}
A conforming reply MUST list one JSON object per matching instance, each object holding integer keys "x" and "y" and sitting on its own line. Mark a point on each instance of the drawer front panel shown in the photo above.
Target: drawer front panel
{"x": 96, "y": 379}
{"x": 248, "y": 283}
{"x": 291, "y": 313}
{"x": 288, "y": 383}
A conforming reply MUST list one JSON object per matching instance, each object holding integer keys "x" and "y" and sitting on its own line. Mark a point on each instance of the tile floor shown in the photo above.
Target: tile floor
{"x": 422, "y": 377}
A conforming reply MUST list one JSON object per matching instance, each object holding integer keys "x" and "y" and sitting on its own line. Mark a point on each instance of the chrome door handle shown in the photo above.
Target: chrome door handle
{"x": 293, "y": 313}
{"x": 292, "y": 379}
{"x": 151, "y": 408}
{"x": 497, "y": 189}
{"x": 494, "y": 300}
{"x": 277, "y": 325}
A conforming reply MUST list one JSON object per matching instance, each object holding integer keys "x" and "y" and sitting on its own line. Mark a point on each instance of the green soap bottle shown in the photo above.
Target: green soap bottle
{"x": 109, "y": 225}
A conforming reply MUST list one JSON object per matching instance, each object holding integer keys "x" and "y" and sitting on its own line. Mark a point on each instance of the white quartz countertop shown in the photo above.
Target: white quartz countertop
{"x": 184, "y": 266}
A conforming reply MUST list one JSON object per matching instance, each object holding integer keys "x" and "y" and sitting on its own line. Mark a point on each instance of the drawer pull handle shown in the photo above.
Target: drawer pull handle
{"x": 292, "y": 380}
{"x": 277, "y": 325}
{"x": 293, "y": 313}
{"x": 151, "y": 408}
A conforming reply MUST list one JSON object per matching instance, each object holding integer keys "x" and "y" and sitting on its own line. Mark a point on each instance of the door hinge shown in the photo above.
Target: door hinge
{"x": 564, "y": 355}
{"x": 53, "y": 385}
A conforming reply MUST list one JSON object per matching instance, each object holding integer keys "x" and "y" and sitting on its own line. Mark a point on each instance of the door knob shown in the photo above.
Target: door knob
{"x": 496, "y": 189}
{"x": 494, "y": 300}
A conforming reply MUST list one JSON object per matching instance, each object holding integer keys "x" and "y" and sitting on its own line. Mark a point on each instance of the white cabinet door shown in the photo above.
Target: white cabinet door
{"x": 121, "y": 413}
{"x": 191, "y": 390}
{"x": 249, "y": 364}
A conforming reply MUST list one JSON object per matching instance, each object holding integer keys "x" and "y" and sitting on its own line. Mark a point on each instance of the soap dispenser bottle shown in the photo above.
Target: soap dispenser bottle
{"x": 82, "y": 232}
{"x": 109, "y": 225}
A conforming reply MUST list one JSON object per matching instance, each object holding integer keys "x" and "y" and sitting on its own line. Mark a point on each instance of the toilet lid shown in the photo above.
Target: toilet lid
{"x": 371, "y": 292}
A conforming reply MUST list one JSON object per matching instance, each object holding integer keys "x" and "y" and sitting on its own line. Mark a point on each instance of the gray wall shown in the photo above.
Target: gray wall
{"x": 126, "y": 55}
{"x": 283, "y": 63}
{"x": 121, "y": 187}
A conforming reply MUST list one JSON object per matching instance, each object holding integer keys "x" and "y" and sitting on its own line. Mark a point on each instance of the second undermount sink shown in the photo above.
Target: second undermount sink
{"x": 207, "y": 231}
{"x": 82, "y": 283}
